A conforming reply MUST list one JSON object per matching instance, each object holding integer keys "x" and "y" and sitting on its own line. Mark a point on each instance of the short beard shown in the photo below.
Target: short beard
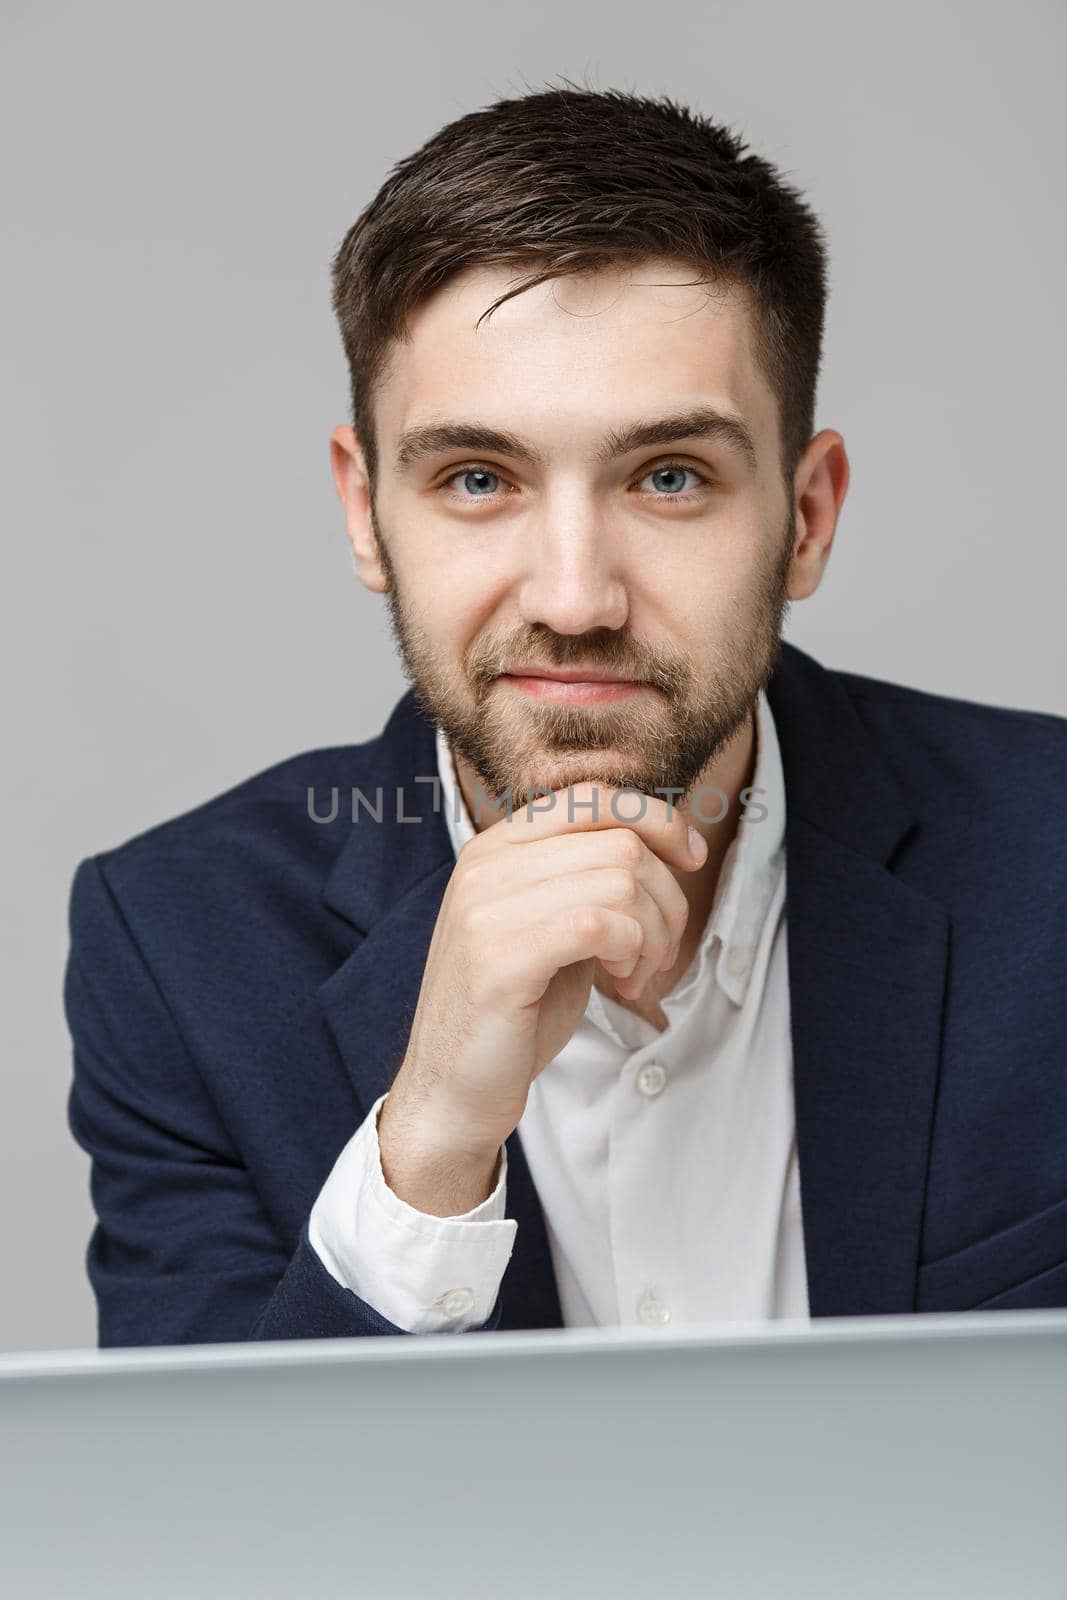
{"x": 675, "y": 733}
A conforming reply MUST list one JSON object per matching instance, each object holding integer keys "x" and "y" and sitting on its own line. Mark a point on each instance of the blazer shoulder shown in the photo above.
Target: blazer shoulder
{"x": 987, "y": 780}
{"x": 868, "y": 691}
{"x": 967, "y": 733}
{"x": 265, "y": 827}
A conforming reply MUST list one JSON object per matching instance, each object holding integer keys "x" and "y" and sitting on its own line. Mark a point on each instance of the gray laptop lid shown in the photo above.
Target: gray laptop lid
{"x": 899, "y": 1457}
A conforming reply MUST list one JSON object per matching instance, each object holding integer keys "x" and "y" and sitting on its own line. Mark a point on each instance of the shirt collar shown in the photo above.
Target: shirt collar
{"x": 749, "y": 873}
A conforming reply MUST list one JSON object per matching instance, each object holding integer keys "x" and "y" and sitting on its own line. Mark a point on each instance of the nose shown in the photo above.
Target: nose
{"x": 572, "y": 583}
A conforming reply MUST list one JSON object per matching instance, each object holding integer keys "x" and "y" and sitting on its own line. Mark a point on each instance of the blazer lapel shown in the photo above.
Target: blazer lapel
{"x": 867, "y": 958}
{"x": 388, "y": 881}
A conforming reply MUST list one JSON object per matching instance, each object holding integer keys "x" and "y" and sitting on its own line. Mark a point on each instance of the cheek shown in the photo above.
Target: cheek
{"x": 450, "y": 619}
{"x": 703, "y": 587}
{"x": 467, "y": 598}
{"x": 724, "y": 564}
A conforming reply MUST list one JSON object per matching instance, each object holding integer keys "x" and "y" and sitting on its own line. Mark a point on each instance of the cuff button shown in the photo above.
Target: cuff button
{"x": 456, "y": 1302}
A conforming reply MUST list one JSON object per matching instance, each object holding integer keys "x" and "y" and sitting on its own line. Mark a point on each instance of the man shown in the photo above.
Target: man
{"x": 643, "y": 970}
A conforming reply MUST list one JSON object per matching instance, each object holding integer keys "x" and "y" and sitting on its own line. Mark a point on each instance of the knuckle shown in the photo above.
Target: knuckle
{"x": 588, "y": 922}
{"x": 473, "y": 870}
{"x": 475, "y": 919}
{"x": 629, "y": 851}
{"x": 623, "y": 888}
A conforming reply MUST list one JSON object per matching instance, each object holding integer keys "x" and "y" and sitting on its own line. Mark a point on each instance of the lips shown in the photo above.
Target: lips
{"x": 568, "y": 675}
{"x": 570, "y": 687}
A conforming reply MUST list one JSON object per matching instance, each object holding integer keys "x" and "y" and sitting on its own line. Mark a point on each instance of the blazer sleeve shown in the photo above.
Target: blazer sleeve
{"x": 183, "y": 1251}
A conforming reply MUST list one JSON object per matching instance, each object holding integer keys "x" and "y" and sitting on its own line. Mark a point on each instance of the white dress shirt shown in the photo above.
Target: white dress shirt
{"x": 665, "y": 1162}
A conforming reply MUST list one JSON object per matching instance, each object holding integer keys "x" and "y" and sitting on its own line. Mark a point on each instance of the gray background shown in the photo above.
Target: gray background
{"x": 179, "y": 603}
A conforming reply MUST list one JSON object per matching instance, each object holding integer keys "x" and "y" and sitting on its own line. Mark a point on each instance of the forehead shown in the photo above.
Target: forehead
{"x": 566, "y": 358}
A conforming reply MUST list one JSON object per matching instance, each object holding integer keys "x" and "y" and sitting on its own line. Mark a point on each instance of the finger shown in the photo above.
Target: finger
{"x": 578, "y": 933}
{"x": 588, "y": 807}
{"x": 609, "y": 887}
{"x": 528, "y": 961}
{"x": 580, "y": 853}
{"x": 560, "y": 866}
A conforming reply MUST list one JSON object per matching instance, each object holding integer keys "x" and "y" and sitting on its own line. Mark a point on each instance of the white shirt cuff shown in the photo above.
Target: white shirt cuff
{"x": 424, "y": 1273}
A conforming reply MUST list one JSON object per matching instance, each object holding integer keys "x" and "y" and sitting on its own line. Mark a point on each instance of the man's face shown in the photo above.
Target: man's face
{"x": 665, "y": 564}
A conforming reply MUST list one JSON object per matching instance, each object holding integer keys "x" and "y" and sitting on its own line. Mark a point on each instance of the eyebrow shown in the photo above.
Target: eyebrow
{"x": 702, "y": 422}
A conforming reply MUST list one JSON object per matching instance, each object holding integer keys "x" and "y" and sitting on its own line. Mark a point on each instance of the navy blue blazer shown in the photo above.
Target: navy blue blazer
{"x": 242, "y": 979}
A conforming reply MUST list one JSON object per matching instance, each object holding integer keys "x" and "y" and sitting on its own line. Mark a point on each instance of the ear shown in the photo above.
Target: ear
{"x": 819, "y": 491}
{"x": 353, "y": 490}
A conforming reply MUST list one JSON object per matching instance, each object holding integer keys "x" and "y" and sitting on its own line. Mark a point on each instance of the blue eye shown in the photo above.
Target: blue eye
{"x": 479, "y": 480}
{"x": 673, "y": 470}
{"x": 475, "y": 472}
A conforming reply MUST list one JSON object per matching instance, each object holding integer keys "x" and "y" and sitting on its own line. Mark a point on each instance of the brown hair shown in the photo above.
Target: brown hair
{"x": 568, "y": 179}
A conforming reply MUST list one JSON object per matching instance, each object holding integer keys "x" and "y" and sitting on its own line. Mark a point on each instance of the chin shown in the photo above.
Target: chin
{"x": 568, "y": 771}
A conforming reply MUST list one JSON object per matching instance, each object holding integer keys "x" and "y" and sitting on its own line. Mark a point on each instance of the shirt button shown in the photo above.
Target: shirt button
{"x": 737, "y": 959}
{"x": 456, "y": 1302}
{"x": 651, "y": 1078}
{"x": 651, "y": 1310}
